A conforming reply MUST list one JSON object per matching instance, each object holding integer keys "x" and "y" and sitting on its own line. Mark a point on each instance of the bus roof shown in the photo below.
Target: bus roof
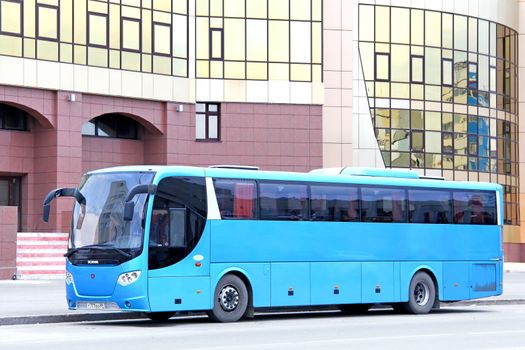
{"x": 363, "y": 176}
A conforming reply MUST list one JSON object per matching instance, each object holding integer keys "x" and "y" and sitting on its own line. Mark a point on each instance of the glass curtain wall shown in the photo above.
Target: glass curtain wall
{"x": 442, "y": 90}
{"x": 146, "y": 36}
{"x": 259, "y": 39}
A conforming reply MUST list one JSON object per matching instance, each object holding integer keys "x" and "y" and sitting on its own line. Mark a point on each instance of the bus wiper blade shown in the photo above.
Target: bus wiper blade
{"x": 70, "y": 252}
{"x": 107, "y": 246}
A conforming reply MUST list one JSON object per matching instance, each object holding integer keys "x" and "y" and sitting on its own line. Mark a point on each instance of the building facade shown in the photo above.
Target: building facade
{"x": 281, "y": 84}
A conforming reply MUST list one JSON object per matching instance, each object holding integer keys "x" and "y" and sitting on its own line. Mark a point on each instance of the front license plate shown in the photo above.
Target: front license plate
{"x": 96, "y": 306}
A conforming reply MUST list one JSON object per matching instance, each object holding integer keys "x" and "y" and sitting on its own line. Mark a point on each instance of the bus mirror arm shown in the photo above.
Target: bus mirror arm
{"x": 61, "y": 192}
{"x": 129, "y": 205}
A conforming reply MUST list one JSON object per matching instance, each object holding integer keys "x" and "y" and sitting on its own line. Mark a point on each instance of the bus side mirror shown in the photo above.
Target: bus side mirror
{"x": 61, "y": 192}
{"x": 47, "y": 209}
{"x": 129, "y": 208}
{"x": 129, "y": 205}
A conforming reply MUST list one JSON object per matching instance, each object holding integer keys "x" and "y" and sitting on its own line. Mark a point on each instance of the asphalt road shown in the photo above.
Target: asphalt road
{"x": 465, "y": 327}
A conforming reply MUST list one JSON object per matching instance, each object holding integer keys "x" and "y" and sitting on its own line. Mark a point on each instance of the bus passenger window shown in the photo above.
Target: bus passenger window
{"x": 283, "y": 201}
{"x": 475, "y": 208}
{"x": 430, "y": 206}
{"x": 383, "y": 204}
{"x": 236, "y": 198}
{"x": 334, "y": 203}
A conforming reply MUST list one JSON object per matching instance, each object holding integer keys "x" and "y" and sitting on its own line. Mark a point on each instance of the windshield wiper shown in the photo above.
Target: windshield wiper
{"x": 70, "y": 252}
{"x": 103, "y": 246}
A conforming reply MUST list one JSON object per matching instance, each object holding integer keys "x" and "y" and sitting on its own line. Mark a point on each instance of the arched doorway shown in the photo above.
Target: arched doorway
{"x": 112, "y": 139}
{"x": 16, "y": 158}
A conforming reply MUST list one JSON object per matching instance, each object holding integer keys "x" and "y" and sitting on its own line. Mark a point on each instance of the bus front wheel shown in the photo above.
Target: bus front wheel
{"x": 230, "y": 299}
{"x": 422, "y": 294}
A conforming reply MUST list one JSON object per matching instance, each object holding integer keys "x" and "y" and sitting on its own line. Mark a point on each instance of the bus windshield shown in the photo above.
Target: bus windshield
{"x": 99, "y": 230}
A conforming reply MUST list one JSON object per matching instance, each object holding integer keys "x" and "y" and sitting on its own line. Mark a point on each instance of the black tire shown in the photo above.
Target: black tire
{"x": 159, "y": 316}
{"x": 230, "y": 300}
{"x": 421, "y": 294}
{"x": 355, "y": 309}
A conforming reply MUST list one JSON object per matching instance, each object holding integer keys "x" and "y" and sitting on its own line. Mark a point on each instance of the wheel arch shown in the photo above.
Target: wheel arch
{"x": 409, "y": 270}
{"x": 238, "y": 272}
{"x": 432, "y": 274}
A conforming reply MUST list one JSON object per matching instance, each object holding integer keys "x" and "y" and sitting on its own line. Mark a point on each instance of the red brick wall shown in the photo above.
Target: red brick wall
{"x": 8, "y": 223}
{"x": 514, "y": 252}
{"x": 99, "y": 152}
{"x": 271, "y": 136}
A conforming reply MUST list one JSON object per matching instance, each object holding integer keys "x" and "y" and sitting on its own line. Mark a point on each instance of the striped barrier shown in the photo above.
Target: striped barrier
{"x": 40, "y": 255}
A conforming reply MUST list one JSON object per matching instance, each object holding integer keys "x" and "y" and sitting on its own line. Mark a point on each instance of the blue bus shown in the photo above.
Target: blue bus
{"x": 167, "y": 239}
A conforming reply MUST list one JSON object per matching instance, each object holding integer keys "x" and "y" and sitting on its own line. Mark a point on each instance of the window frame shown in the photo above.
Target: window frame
{"x": 207, "y": 114}
{"x": 162, "y": 24}
{"x": 88, "y": 29}
{"x": 221, "y": 31}
{"x": 422, "y": 57}
{"x": 25, "y": 119}
{"x": 122, "y": 48}
{"x": 386, "y": 54}
{"x": 451, "y": 61}
{"x": 37, "y": 16}
{"x": 21, "y": 33}
{"x": 95, "y": 121}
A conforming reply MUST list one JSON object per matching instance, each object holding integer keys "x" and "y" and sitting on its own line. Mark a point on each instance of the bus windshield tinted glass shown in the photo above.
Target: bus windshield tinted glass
{"x": 100, "y": 228}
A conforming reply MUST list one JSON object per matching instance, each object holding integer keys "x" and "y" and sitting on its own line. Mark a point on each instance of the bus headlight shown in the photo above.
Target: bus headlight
{"x": 69, "y": 278}
{"x": 128, "y": 278}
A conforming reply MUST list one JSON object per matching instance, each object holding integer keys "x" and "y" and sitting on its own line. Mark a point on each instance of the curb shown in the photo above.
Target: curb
{"x": 25, "y": 320}
{"x": 117, "y": 316}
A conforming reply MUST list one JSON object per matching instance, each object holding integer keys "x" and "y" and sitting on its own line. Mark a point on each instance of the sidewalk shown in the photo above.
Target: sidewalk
{"x": 29, "y": 302}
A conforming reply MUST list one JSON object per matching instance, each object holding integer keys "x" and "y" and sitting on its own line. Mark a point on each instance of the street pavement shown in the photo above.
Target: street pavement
{"x": 457, "y": 327}
{"x": 29, "y": 302}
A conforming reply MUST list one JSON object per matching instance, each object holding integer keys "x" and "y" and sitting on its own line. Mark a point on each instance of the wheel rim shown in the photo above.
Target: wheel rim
{"x": 229, "y": 298}
{"x": 421, "y": 293}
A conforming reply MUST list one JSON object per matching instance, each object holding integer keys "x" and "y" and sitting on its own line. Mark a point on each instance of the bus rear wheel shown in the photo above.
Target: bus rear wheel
{"x": 421, "y": 294}
{"x": 230, "y": 299}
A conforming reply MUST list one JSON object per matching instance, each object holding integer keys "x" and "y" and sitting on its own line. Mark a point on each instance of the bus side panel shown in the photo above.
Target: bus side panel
{"x": 335, "y": 283}
{"x": 179, "y": 293}
{"x": 409, "y": 269}
{"x": 258, "y": 274}
{"x": 377, "y": 282}
{"x": 290, "y": 284}
{"x": 456, "y": 279}
{"x": 483, "y": 279}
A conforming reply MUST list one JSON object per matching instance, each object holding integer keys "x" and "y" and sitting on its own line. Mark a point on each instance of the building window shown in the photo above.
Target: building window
{"x": 12, "y": 118}
{"x": 47, "y": 20}
{"x": 98, "y": 30}
{"x": 131, "y": 34}
{"x": 207, "y": 121}
{"x": 216, "y": 44}
{"x": 113, "y": 126}
{"x": 382, "y": 67}
{"x": 447, "y": 72}
{"x": 416, "y": 69}
{"x": 11, "y": 17}
{"x": 161, "y": 39}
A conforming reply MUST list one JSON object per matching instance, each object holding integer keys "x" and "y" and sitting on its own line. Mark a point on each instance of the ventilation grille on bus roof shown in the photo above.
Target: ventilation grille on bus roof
{"x": 238, "y": 167}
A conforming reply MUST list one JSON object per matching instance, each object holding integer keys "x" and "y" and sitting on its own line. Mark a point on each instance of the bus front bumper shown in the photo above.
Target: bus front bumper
{"x": 132, "y": 297}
